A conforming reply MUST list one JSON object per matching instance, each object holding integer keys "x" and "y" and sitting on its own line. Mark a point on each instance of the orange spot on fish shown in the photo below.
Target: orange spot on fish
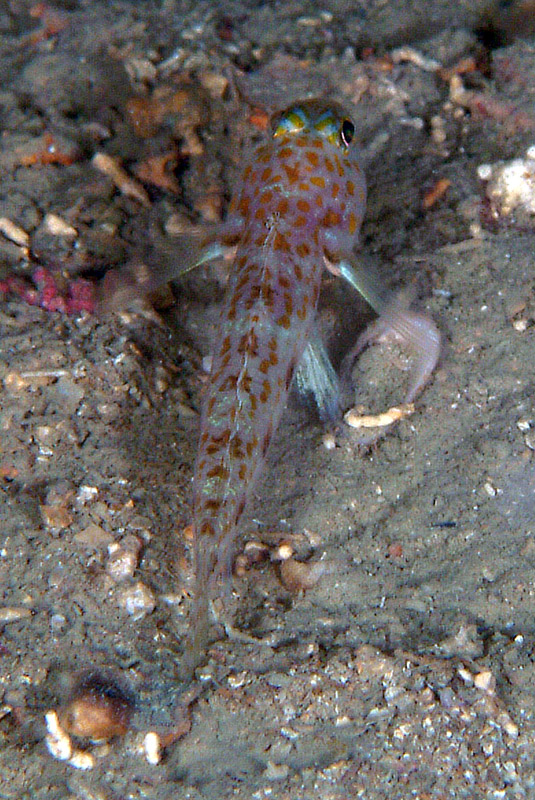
{"x": 303, "y": 205}
{"x": 292, "y": 173}
{"x": 266, "y": 387}
{"x": 267, "y": 295}
{"x": 244, "y": 206}
{"x": 318, "y": 180}
{"x": 212, "y": 504}
{"x": 331, "y": 219}
{"x": 281, "y": 243}
{"x": 339, "y": 167}
{"x": 218, "y": 471}
{"x": 350, "y": 188}
{"x": 207, "y": 529}
{"x": 285, "y": 152}
{"x": 335, "y": 190}
{"x": 284, "y": 321}
{"x": 312, "y": 157}
{"x": 236, "y": 447}
{"x": 352, "y": 223}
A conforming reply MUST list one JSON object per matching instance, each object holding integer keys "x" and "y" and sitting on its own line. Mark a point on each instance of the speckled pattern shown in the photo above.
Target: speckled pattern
{"x": 302, "y": 197}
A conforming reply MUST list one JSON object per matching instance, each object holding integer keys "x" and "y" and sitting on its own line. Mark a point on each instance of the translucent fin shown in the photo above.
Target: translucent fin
{"x": 417, "y": 331}
{"x": 131, "y": 285}
{"x": 365, "y": 281}
{"x": 315, "y": 376}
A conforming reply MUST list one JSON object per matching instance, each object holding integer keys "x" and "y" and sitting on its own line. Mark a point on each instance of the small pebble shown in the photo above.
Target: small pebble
{"x": 93, "y": 536}
{"x": 298, "y": 576}
{"x": 57, "y": 226}
{"x": 152, "y": 747}
{"x": 124, "y": 558}
{"x": 97, "y": 709}
{"x": 14, "y": 232}
{"x": 485, "y": 681}
{"x": 14, "y": 614}
{"x": 138, "y": 600}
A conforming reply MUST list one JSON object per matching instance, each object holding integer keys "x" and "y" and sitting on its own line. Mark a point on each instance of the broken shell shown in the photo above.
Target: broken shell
{"x": 128, "y": 186}
{"x": 14, "y": 232}
{"x": 56, "y": 226}
{"x": 356, "y": 420}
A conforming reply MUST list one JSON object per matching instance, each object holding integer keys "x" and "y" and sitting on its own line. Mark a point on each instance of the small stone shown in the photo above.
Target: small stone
{"x": 138, "y": 600}
{"x": 152, "y": 747}
{"x": 94, "y": 537}
{"x": 97, "y": 709}
{"x": 57, "y": 226}
{"x": 57, "y": 741}
{"x": 124, "y": 558}
{"x": 298, "y": 576}
{"x": 276, "y": 772}
{"x": 485, "y": 681}
{"x": 14, "y": 614}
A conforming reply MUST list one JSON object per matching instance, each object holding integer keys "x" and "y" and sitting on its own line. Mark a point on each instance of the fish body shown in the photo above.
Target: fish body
{"x": 300, "y": 202}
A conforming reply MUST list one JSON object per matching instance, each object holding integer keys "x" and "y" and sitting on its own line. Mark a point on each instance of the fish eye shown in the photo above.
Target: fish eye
{"x": 347, "y": 131}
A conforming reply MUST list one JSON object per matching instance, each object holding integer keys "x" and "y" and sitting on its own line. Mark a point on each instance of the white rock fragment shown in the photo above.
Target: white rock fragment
{"x": 152, "y": 747}
{"x": 485, "y": 681}
{"x": 138, "y": 600}
{"x": 57, "y": 741}
{"x": 14, "y": 232}
{"x": 413, "y": 56}
{"x": 128, "y": 186}
{"x": 123, "y": 558}
{"x": 510, "y": 187}
{"x": 59, "y": 745}
{"x": 86, "y": 494}
{"x": 57, "y": 226}
{"x": 276, "y": 772}
{"x": 82, "y": 760}
{"x": 14, "y": 614}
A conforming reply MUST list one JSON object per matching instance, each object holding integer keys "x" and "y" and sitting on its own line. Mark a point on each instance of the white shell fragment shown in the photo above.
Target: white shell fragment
{"x": 125, "y": 184}
{"x": 59, "y": 745}
{"x": 152, "y": 747}
{"x": 356, "y": 420}
{"x": 138, "y": 600}
{"x": 14, "y": 232}
{"x": 57, "y": 226}
{"x": 510, "y": 187}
